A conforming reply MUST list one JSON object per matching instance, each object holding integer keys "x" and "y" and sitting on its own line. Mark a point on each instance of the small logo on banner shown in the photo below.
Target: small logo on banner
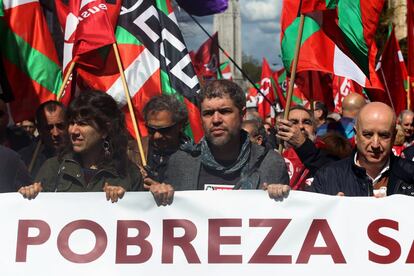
{"x": 217, "y": 187}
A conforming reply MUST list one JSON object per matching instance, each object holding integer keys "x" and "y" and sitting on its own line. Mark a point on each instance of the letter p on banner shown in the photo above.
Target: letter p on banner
{"x": 23, "y": 239}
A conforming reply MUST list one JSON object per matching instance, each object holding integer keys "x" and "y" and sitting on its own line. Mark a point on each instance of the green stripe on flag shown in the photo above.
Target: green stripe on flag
{"x": 331, "y": 4}
{"x": 125, "y": 37}
{"x": 168, "y": 89}
{"x": 350, "y": 22}
{"x": 289, "y": 38}
{"x": 29, "y": 60}
{"x": 162, "y": 5}
{"x": 1, "y": 8}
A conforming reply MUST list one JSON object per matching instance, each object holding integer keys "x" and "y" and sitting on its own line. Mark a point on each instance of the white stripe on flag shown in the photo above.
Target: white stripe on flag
{"x": 400, "y": 56}
{"x": 346, "y": 67}
{"x": 8, "y": 4}
{"x": 140, "y": 70}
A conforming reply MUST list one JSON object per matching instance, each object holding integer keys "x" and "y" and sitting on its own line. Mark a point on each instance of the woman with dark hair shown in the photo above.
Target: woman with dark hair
{"x": 95, "y": 157}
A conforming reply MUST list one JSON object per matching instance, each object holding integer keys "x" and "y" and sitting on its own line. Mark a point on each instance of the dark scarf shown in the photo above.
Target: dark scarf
{"x": 241, "y": 163}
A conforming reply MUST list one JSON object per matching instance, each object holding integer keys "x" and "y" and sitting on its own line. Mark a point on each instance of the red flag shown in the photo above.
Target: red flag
{"x": 88, "y": 26}
{"x": 279, "y": 91}
{"x": 342, "y": 87}
{"x": 206, "y": 60}
{"x": 316, "y": 86}
{"x": 268, "y": 90}
{"x": 393, "y": 73}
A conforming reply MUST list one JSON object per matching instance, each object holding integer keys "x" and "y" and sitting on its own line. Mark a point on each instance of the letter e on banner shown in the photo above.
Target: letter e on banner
{"x": 96, "y": 252}
{"x": 23, "y": 239}
{"x": 392, "y": 245}
{"x": 122, "y": 241}
{"x": 215, "y": 240}
{"x": 169, "y": 241}
{"x": 332, "y": 248}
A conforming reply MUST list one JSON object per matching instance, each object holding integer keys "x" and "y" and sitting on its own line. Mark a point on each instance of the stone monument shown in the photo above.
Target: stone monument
{"x": 228, "y": 26}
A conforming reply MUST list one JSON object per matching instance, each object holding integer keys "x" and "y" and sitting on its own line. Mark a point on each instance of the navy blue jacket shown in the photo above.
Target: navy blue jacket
{"x": 344, "y": 176}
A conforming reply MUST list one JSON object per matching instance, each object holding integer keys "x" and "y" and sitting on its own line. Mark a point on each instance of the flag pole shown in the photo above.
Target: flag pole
{"x": 58, "y": 97}
{"x": 234, "y": 63}
{"x": 408, "y": 92}
{"x": 130, "y": 107}
{"x": 293, "y": 73}
{"x": 388, "y": 90}
{"x": 65, "y": 80}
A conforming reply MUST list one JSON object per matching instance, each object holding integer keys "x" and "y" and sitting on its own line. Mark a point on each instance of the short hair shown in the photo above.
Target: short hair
{"x": 168, "y": 103}
{"x": 257, "y": 127}
{"x": 50, "y": 106}
{"x": 301, "y": 107}
{"x": 336, "y": 145}
{"x": 224, "y": 88}
{"x": 404, "y": 113}
{"x": 321, "y": 106}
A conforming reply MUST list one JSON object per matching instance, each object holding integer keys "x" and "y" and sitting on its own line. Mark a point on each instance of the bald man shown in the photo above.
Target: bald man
{"x": 351, "y": 105}
{"x": 372, "y": 170}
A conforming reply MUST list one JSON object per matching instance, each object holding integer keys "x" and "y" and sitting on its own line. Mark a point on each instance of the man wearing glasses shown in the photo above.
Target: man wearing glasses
{"x": 50, "y": 122}
{"x": 165, "y": 118}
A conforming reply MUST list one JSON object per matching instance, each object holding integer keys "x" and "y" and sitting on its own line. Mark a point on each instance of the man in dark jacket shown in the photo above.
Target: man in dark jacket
{"x": 13, "y": 172}
{"x": 372, "y": 170}
{"x": 225, "y": 158}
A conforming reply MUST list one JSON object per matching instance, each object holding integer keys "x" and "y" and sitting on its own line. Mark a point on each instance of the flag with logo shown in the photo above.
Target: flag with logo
{"x": 30, "y": 70}
{"x": 342, "y": 87}
{"x": 88, "y": 26}
{"x": 265, "y": 107}
{"x": 206, "y": 60}
{"x": 155, "y": 61}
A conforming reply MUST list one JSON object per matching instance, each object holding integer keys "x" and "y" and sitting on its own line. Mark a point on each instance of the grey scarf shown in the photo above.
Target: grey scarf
{"x": 241, "y": 163}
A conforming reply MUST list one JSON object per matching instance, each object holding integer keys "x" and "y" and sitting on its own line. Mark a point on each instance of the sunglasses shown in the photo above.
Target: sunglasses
{"x": 161, "y": 130}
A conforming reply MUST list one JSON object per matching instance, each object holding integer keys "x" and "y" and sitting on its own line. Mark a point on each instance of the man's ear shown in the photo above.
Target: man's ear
{"x": 259, "y": 139}
{"x": 243, "y": 112}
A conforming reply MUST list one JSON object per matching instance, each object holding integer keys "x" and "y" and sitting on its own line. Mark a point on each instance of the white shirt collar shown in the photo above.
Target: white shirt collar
{"x": 378, "y": 177}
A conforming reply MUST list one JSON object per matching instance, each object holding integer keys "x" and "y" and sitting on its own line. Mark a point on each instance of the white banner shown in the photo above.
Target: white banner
{"x": 206, "y": 233}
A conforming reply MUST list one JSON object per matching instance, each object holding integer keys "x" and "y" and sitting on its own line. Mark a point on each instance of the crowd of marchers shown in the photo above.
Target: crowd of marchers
{"x": 364, "y": 151}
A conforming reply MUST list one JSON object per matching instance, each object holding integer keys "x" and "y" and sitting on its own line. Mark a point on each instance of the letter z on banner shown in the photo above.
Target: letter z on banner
{"x": 206, "y": 233}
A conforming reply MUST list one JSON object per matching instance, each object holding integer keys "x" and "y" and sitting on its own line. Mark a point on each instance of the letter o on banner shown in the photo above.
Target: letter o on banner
{"x": 95, "y": 253}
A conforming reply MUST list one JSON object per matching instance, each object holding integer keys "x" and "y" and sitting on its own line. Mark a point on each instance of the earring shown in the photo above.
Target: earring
{"x": 106, "y": 147}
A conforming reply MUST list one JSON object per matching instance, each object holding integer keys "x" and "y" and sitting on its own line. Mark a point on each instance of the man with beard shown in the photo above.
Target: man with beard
{"x": 372, "y": 170}
{"x": 225, "y": 158}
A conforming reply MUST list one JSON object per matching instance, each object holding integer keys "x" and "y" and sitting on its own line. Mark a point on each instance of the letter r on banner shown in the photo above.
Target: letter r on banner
{"x": 169, "y": 241}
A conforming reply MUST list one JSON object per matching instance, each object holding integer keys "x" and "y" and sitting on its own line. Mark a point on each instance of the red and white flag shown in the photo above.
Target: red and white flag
{"x": 88, "y": 25}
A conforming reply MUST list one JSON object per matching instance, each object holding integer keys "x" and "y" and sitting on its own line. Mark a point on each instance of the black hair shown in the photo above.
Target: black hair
{"x": 50, "y": 106}
{"x": 321, "y": 106}
{"x": 100, "y": 110}
{"x": 168, "y": 103}
{"x": 223, "y": 88}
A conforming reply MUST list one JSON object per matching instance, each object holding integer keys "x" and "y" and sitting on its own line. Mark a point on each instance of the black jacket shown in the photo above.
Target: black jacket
{"x": 344, "y": 176}
{"x": 312, "y": 157}
{"x": 13, "y": 172}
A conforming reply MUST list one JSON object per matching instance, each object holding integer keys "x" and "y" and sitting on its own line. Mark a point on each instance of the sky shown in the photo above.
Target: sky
{"x": 260, "y": 29}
